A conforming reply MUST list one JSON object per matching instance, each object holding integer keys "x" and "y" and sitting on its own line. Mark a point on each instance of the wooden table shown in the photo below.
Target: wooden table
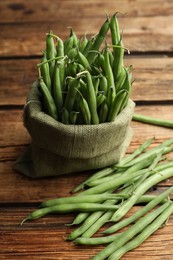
{"x": 148, "y": 33}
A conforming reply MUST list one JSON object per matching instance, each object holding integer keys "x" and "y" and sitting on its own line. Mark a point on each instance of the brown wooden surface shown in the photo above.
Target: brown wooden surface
{"x": 148, "y": 34}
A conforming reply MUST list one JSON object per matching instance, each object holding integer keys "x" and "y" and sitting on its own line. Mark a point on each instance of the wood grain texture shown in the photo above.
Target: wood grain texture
{"x": 147, "y": 31}
{"x": 144, "y": 34}
{"x": 19, "y": 10}
{"x": 153, "y": 79}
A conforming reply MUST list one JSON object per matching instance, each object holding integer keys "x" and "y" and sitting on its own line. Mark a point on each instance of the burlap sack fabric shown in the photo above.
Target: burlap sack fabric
{"x": 60, "y": 149}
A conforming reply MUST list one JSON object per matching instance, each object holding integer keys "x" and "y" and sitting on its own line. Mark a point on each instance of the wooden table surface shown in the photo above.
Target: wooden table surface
{"x": 148, "y": 33}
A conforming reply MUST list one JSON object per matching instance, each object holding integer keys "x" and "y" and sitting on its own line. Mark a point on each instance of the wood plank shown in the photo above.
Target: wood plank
{"x": 153, "y": 79}
{"x": 36, "y": 240}
{"x": 33, "y": 11}
{"x": 140, "y": 34}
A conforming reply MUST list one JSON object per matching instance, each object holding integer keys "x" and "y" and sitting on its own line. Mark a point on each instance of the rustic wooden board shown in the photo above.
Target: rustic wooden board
{"x": 153, "y": 79}
{"x": 144, "y": 34}
{"x": 41, "y": 11}
{"x": 37, "y": 239}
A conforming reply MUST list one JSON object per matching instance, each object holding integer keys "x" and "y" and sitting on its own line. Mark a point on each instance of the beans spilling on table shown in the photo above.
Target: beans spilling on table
{"x": 84, "y": 81}
{"x": 109, "y": 194}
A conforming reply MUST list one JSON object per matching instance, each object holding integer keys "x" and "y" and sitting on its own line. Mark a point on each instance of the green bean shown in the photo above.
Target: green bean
{"x": 110, "y": 98}
{"x": 130, "y": 233}
{"x": 101, "y": 180}
{"x": 65, "y": 116}
{"x": 153, "y": 121}
{"x": 114, "y": 27}
{"x": 111, "y": 58}
{"x": 127, "y": 82}
{"x": 88, "y": 46}
{"x": 92, "y": 100}
{"x": 81, "y": 199}
{"x": 121, "y": 79}
{"x": 83, "y": 60}
{"x": 50, "y": 53}
{"x": 141, "y": 212}
{"x": 68, "y": 44}
{"x": 83, "y": 43}
{"x": 73, "y": 117}
{"x": 71, "y": 94}
{"x": 118, "y": 60}
{"x": 98, "y": 40}
{"x": 95, "y": 240}
{"x": 103, "y": 113}
{"x": 75, "y": 39}
{"x": 50, "y": 104}
{"x": 71, "y": 69}
{"x": 96, "y": 83}
{"x": 60, "y": 47}
{"x": 115, "y": 109}
{"x": 150, "y": 229}
{"x": 146, "y": 185}
{"x": 72, "y": 53}
{"x": 79, "y": 218}
{"x": 85, "y": 111}
{"x": 108, "y": 72}
{"x": 57, "y": 91}
{"x": 100, "y": 99}
{"x": 65, "y": 208}
{"x": 103, "y": 84}
{"x": 45, "y": 71}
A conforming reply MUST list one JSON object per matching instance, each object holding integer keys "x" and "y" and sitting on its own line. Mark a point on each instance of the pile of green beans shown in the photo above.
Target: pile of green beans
{"x": 109, "y": 195}
{"x": 82, "y": 81}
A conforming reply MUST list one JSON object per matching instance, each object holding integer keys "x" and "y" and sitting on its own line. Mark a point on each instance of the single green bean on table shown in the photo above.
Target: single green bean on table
{"x": 149, "y": 230}
{"x": 153, "y": 120}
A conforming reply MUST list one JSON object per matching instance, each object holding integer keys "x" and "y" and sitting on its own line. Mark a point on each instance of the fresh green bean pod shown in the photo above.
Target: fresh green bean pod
{"x": 103, "y": 84}
{"x": 45, "y": 72}
{"x": 85, "y": 111}
{"x": 100, "y": 99}
{"x": 65, "y": 116}
{"x": 83, "y": 43}
{"x": 118, "y": 60}
{"x": 73, "y": 117}
{"x": 50, "y": 53}
{"x": 83, "y": 60}
{"x": 146, "y": 232}
{"x": 153, "y": 121}
{"x": 81, "y": 199}
{"x": 114, "y": 27}
{"x": 69, "y": 208}
{"x": 72, "y": 53}
{"x": 88, "y": 46}
{"x": 115, "y": 109}
{"x": 109, "y": 72}
{"x": 60, "y": 47}
{"x": 130, "y": 233}
{"x": 71, "y": 69}
{"x": 92, "y": 103}
{"x": 98, "y": 40}
{"x": 71, "y": 94}
{"x": 48, "y": 100}
{"x": 110, "y": 97}
{"x": 68, "y": 44}
{"x": 75, "y": 39}
{"x": 95, "y": 240}
{"x": 57, "y": 91}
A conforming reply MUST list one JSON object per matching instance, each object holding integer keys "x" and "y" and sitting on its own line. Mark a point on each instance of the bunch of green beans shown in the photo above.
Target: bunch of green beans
{"x": 110, "y": 194}
{"x": 82, "y": 81}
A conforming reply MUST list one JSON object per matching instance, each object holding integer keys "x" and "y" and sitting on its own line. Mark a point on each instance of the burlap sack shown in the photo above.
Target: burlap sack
{"x": 60, "y": 149}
